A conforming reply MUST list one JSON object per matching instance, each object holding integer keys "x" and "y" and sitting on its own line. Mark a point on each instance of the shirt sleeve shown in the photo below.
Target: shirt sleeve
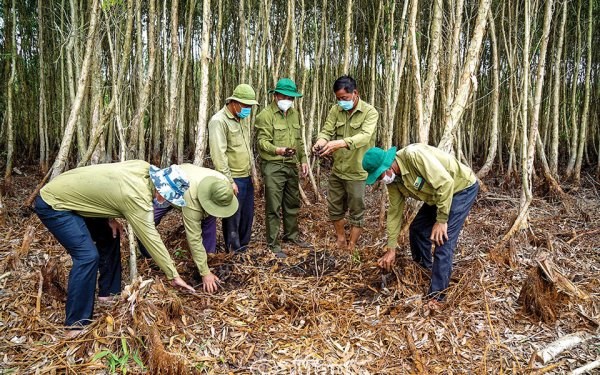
{"x": 193, "y": 231}
{"x": 144, "y": 229}
{"x": 438, "y": 177}
{"x": 394, "y": 215}
{"x": 264, "y": 133}
{"x": 217, "y": 142}
{"x": 328, "y": 129}
{"x": 366, "y": 131}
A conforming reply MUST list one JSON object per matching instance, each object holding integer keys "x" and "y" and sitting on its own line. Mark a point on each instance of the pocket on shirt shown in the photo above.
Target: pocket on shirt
{"x": 235, "y": 137}
{"x": 339, "y": 129}
{"x": 279, "y": 134}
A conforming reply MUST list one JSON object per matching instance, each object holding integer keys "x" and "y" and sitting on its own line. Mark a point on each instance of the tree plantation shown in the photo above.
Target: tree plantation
{"x": 507, "y": 89}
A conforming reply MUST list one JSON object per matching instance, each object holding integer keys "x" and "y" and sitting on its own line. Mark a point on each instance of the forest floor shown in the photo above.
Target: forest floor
{"x": 320, "y": 311}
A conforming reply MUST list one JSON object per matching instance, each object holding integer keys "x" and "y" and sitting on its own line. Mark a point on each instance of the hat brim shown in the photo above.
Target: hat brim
{"x": 209, "y": 206}
{"x": 388, "y": 160}
{"x": 243, "y": 101}
{"x": 292, "y": 94}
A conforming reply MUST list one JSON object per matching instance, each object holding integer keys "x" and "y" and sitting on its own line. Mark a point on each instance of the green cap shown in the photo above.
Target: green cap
{"x": 376, "y": 161}
{"x": 216, "y": 197}
{"x": 244, "y": 94}
{"x": 286, "y": 87}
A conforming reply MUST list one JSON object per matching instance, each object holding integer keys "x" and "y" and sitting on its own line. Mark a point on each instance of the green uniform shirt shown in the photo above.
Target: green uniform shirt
{"x": 277, "y": 129}
{"x": 358, "y": 130}
{"x": 193, "y": 213}
{"x": 427, "y": 174}
{"x": 113, "y": 190}
{"x": 230, "y": 146}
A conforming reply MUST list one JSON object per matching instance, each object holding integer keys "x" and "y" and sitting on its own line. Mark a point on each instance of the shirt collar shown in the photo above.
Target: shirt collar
{"x": 228, "y": 113}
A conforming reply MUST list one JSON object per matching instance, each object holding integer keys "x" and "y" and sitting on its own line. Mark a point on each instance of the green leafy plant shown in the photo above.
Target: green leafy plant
{"x": 117, "y": 362}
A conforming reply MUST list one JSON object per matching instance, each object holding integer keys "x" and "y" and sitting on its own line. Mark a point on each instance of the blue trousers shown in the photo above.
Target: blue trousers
{"x": 209, "y": 231}
{"x": 92, "y": 248}
{"x": 420, "y": 243}
{"x": 237, "y": 229}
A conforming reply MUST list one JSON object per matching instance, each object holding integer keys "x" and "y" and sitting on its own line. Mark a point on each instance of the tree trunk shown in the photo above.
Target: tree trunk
{"x": 201, "y": 126}
{"x": 170, "y": 124}
{"x": 65, "y": 146}
{"x": 432, "y": 70}
{"x": 189, "y": 29}
{"x": 586, "y": 97}
{"x": 416, "y": 72}
{"x": 467, "y": 78}
{"x": 574, "y": 110}
{"x": 493, "y": 147}
{"x": 347, "y": 36}
{"x": 43, "y": 114}
{"x": 10, "y": 141}
{"x": 554, "y": 142}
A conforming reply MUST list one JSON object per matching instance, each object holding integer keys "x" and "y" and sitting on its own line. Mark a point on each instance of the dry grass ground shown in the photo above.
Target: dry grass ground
{"x": 321, "y": 311}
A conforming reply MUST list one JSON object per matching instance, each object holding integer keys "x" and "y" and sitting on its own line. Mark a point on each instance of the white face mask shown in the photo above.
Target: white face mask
{"x": 388, "y": 179}
{"x": 284, "y": 105}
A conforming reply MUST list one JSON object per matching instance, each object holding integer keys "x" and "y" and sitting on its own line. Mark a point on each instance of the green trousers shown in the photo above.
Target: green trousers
{"x": 346, "y": 196}
{"x": 282, "y": 198}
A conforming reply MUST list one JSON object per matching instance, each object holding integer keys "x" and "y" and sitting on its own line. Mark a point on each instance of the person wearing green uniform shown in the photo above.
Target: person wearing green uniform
{"x": 209, "y": 194}
{"x": 281, "y": 149}
{"x": 349, "y": 130}
{"x": 231, "y": 152}
{"x": 448, "y": 189}
{"x": 79, "y": 207}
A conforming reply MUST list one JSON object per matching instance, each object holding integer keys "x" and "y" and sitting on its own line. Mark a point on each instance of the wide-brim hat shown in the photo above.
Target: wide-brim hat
{"x": 376, "y": 161}
{"x": 286, "y": 87}
{"x": 216, "y": 197}
{"x": 244, "y": 94}
{"x": 171, "y": 183}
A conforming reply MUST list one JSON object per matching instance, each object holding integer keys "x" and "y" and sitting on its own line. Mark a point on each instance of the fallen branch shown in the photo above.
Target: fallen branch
{"x": 586, "y": 368}
{"x": 583, "y": 234}
{"x": 563, "y": 343}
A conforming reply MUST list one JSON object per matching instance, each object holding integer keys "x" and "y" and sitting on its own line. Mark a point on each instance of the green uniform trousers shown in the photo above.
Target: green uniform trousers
{"x": 346, "y": 195}
{"x": 282, "y": 198}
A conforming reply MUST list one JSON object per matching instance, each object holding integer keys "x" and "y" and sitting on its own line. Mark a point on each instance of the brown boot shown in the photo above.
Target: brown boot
{"x": 354, "y": 236}
{"x": 340, "y": 232}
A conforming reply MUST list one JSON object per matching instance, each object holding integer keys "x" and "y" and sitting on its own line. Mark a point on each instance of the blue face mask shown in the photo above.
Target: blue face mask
{"x": 346, "y": 105}
{"x": 244, "y": 112}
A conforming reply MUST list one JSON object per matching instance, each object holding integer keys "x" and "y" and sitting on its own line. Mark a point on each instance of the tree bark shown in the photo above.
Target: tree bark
{"x": 65, "y": 145}
{"x": 467, "y": 78}
{"x": 10, "y": 141}
{"x": 586, "y": 97}
{"x": 554, "y": 142}
{"x": 347, "y": 36}
{"x": 423, "y": 134}
{"x": 170, "y": 124}
{"x": 201, "y": 126}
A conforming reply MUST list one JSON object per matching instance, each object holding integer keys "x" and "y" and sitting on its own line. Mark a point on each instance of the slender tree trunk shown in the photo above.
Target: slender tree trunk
{"x": 43, "y": 114}
{"x": 347, "y": 37}
{"x": 65, "y": 146}
{"x": 170, "y": 125}
{"x": 467, "y": 77}
{"x": 432, "y": 70}
{"x": 574, "y": 105}
{"x": 10, "y": 141}
{"x": 493, "y": 147}
{"x": 416, "y": 72}
{"x": 586, "y": 97}
{"x": 201, "y": 126}
{"x": 556, "y": 93}
{"x": 243, "y": 40}
{"x": 189, "y": 30}
{"x": 217, "y": 59}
